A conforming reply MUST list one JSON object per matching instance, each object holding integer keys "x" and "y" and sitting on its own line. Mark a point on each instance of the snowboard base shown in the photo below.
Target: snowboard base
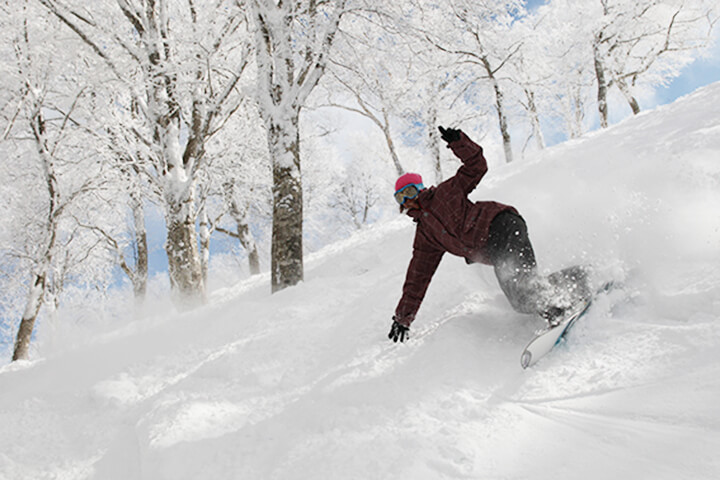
{"x": 546, "y": 339}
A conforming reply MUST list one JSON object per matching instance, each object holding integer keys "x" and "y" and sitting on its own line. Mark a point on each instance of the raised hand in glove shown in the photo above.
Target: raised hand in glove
{"x": 398, "y": 332}
{"x": 449, "y": 134}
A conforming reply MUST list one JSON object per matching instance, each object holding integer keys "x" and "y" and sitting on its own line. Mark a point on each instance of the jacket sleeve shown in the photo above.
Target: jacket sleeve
{"x": 423, "y": 265}
{"x": 474, "y": 165}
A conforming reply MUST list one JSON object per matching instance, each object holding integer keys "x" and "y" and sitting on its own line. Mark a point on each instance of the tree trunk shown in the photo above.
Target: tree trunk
{"x": 434, "y": 143}
{"x": 140, "y": 277}
{"x": 535, "y": 119}
{"x": 37, "y": 291}
{"x": 184, "y": 265}
{"x": 254, "y": 261}
{"x": 602, "y": 83}
{"x": 632, "y": 101}
{"x": 391, "y": 145}
{"x": 500, "y": 107}
{"x": 178, "y": 175}
{"x": 27, "y": 324}
{"x": 287, "y": 247}
{"x": 246, "y": 240}
{"x": 502, "y": 120}
{"x": 204, "y": 234}
{"x": 184, "y": 262}
{"x": 578, "y": 107}
{"x": 242, "y": 228}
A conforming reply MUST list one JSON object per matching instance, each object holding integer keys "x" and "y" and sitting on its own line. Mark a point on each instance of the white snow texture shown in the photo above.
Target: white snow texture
{"x": 304, "y": 384}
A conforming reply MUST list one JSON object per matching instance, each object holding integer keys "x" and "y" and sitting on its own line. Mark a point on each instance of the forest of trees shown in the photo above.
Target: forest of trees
{"x": 217, "y": 114}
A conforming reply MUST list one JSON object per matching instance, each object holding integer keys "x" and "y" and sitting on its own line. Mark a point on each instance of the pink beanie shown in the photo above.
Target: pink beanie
{"x": 408, "y": 179}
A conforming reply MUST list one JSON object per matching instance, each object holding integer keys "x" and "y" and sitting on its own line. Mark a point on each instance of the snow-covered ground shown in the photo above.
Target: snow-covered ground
{"x": 305, "y": 385}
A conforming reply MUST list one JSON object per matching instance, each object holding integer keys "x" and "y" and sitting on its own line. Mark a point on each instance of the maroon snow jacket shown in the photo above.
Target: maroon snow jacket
{"x": 448, "y": 222}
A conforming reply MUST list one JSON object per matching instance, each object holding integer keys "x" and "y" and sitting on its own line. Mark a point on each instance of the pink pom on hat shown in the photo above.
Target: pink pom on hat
{"x": 408, "y": 179}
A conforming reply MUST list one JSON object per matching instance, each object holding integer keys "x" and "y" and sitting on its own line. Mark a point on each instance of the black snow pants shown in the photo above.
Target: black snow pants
{"x": 513, "y": 258}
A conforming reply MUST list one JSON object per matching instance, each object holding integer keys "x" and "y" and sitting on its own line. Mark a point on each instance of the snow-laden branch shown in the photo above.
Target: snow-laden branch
{"x": 315, "y": 65}
{"x": 63, "y": 17}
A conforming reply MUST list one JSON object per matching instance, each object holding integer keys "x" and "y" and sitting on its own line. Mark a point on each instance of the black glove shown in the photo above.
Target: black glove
{"x": 449, "y": 134}
{"x": 399, "y": 332}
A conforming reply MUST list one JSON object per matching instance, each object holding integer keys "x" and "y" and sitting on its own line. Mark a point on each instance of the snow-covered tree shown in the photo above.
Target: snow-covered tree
{"x": 478, "y": 34}
{"x": 636, "y": 42}
{"x": 293, "y": 41}
{"x": 56, "y": 166}
{"x": 373, "y": 71}
{"x": 355, "y": 194}
{"x": 238, "y": 185}
{"x": 176, "y": 65}
{"x": 126, "y": 242}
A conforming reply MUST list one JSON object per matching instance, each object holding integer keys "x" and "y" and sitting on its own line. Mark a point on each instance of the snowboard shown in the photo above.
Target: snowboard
{"x": 546, "y": 339}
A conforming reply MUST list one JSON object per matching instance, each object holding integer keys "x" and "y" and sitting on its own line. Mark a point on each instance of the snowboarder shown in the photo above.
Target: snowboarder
{"x": 484, "y": 232}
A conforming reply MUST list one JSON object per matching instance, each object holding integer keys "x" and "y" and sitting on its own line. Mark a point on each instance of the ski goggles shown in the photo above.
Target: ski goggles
{"x": 408, "y": 192}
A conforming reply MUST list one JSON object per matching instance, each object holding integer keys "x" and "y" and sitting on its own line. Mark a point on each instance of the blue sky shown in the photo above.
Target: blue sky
{"x": 703, "y": 71}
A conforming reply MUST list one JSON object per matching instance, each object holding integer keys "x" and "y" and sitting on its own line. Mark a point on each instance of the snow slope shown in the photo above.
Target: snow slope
{"x": 304, "y": 384}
